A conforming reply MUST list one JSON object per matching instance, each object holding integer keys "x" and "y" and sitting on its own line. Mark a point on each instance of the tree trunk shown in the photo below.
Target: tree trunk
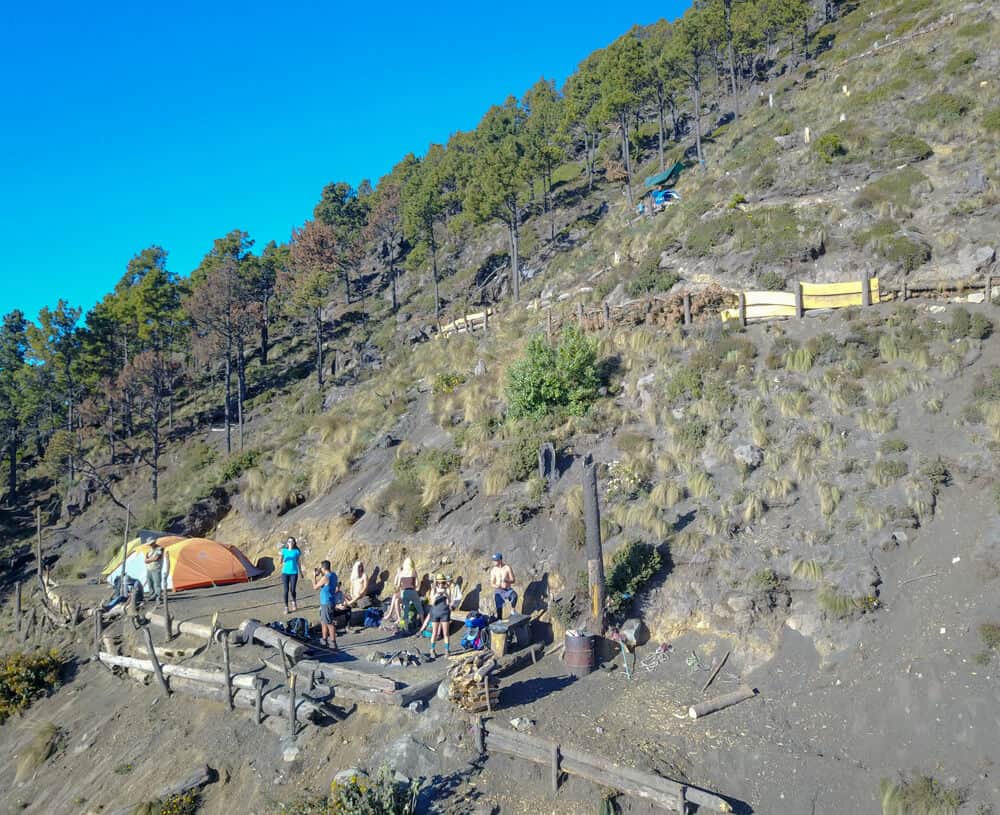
{"x": 659, "y": 120}
{"x": 728, "y": 11}
{"x": 264, "y": 339}
{"x": 515, "y": 269}
{"x": 392, "y": 279}
{"x": 155, "y": 453}
{"x": 696, "y": 88}
{"x": 623, "y": 121}
{"x": 229, "y": 397}
{"x": 434, "y": 272}
{"x": 319, "y": 346}
{"x": 12, "y": 470}
{"x": 241, "y": 384}
{"x": 590, "y": 164}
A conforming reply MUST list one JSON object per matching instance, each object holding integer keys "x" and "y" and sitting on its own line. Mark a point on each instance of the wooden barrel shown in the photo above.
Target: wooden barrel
{"x": 498, "y": 639}
{"x": 579, "y": 656}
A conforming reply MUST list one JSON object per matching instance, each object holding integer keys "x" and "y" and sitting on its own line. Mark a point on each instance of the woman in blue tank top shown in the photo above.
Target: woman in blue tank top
{"x": 291, "y": 568}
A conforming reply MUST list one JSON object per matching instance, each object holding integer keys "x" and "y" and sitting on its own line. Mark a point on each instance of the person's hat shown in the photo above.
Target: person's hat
{"x": 441, "y": 578}
{"x": 498, "y": 556}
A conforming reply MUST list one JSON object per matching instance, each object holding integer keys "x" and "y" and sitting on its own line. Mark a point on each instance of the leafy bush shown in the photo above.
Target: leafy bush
{"x": 446, "y": 383}
{"x": 829, "y": 147}
{"x": 186, "y": 803}
{"x": 961, "y": 61}
{"x": 26, "y": 677}
{"x": 736, "y": 200}
{"x": 771, "y": 281}
{"x": 378, "y": 796}
{"x": 624, "y": 482}
{"x": 942, "y": 108}
{"x": 517, "y": 456}
{"x": 237, "y": 465}
{"x": 651, "y": 278}
{"x": 547, "y": 379}
{"x": 632, "y": 567}
{"x": 963, "y": 324}
{"x": 894, "y": 188}
{"x": 410, "y": 463}
{"x": 991, "y": 120}
{"x": 906, "y": 147}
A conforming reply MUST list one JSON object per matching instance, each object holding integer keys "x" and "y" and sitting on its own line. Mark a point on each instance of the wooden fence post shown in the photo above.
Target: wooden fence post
{"x": 687, "y": 308}
{"x": 799, "y": 301}
{"x": 866, "y": 290}
{"x": 468, "y": 325}
{"x": 607, "y": 315}
{"x": 157, "y": 669}
{"x": 38, "y": 553}
{"x": 291, "y": 704}
{"x": 905, "y": 291}
{"x": 595, "y": 555}
{"x": 486, "y": 320}
{"x": 555, "y": 768}
{"x": 227, "y": 670}
{"x": 743, "y": 310}
{"x": 164, "y": 591}
{"x": 549, "y": 321}
{"x": 579, "y": 314}
{"x": 479, "y": 735}
{"x": 259, "y": 690}
{"x": 989, "y": 290}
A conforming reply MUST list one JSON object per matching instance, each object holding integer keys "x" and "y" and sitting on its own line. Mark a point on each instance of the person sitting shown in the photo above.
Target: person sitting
{"x": 124, "y": 592}
{"x": 359, "y": 587}
{"x": 502, "y": 581}
{"x": 439, "y": 615}
{"x": 405, "y": 579}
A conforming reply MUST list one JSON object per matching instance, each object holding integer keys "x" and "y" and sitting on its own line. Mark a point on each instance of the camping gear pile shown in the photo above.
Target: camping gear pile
{"x": 401, "y": 658}
{"x": 475, "y": 625}
{"x": 472, "y": 683}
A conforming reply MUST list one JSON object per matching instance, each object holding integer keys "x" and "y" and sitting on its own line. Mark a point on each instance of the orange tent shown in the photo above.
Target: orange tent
{"x": 197, "y": 562}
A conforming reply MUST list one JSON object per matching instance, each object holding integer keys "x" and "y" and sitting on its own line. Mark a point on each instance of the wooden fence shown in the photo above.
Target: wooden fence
{"x": 467, "y": 323}
{"x": 673, "y": 796}
{"x": 755, "y": 306}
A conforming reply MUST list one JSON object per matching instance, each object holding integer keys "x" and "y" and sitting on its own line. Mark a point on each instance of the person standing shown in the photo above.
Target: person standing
{"x": 502, "y": 581}
{"x": 326, "y": 581}
{"x": 439, "y": 615}
{"x": 291, "y": 568}
{"x": 405, "y": 580}
{"x": 154, "y": 570}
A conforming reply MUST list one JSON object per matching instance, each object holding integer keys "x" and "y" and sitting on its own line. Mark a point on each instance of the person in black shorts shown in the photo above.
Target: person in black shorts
{"x": 439, "y": 614}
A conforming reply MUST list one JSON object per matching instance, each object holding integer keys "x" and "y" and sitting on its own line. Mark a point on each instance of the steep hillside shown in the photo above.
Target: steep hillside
{"x": 793, "y": 476}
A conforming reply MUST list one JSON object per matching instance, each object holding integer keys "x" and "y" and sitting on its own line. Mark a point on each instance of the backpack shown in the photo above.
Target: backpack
{"x": 373, "y": 617}
{"x": 299, "y": 627}
{"x": 476, "y": 622}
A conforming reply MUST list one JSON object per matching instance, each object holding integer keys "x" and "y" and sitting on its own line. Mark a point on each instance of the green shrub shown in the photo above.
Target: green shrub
{"x": 991, "y": 120}
{"x": 26, "y": 677}
{"x": 894, "y": 188}
{"x": 942, "y": 108}
{"x": 686, "y": 383}
{"x": 736, "y": 200}
{"x": 973, "y": 29}
{"x": 960, "y": 62}
{"x": 919, "y": 796}
{"x": 906, "y": 147}
{"x": 651, "y": 278}
{"x": 237, "y": 465}
{"x": 771, "y": 281}
{"x": 547, "y": 379}
{"x": 410, "y": 463}
{"x": 378, "y": 796}
{"x": 829, "y": 147}
{"x": 446, "y": 383}
{"x": 185, "y": 803}
{"x": 632, "y": 567}
{"x": 963, "y": 324}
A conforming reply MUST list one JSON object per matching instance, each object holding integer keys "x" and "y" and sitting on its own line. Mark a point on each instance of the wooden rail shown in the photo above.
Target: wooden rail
{"x": 672, "y": 796}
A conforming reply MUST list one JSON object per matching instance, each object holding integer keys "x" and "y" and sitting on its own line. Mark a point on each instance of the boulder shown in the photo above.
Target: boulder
{"x": 480, "y": 369}
{"x": 969, "y": 261}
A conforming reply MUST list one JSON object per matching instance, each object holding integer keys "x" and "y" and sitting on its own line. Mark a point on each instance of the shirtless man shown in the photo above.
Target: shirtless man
{"x": 502, "y": 581}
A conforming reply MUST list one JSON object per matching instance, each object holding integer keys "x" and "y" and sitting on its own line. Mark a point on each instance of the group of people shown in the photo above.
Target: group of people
{"x": 334, "y": 600}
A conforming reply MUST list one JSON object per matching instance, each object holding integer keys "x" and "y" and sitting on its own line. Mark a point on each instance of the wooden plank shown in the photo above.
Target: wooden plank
{"x": 770, "y": 298}
{"x": 830, "y": 289}
{"x": 764, "y": 312}
{"x": 338, "y": 675}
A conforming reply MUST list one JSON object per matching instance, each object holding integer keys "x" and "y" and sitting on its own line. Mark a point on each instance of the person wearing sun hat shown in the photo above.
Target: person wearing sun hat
{"x": 502, "y": 581}
{"x": 439, "y": 614}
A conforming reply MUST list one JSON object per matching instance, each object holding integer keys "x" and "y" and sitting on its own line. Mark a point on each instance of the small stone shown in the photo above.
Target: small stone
{"x": 749, "y": 454}
{"x": 522, "y": 724}
{"x": 417, "y": 706}
{"x": 900, "y": 536}
{"x": 480, "y": 369}
{"x": 290, "y": 753}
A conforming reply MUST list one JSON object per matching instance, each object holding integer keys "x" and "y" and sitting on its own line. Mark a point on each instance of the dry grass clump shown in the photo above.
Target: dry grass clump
{"x": 873, "y": 518}
{"x": 699, "y": 484}
{"x": 886, "y": 472}
{"x": 807, "y": 569}
{"x": 793, "y": 405}
{"x": 753, "y": 508}
{"x": 877, "y": 420}
{"x": 644, "y": 515}
{"x": 666, "y": 494}
{"x": 843, "y": 605}
{"x": 776, "y": 489}
{"x": 829, "y": 498}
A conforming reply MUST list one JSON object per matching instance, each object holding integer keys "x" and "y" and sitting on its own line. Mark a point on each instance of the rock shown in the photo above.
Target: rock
{"x": 78, "y": 498}
{"x": 642, "y": 387}
{"x": 204, "y": 515}
{"x": 976, "y": 297}
{"x": 786, "y": 142}
{"x": 740, "y": 603}
{"x": 290, "y": 753}
{"x": 370, "y": 357}
{"x": 749, "y": 454}
{"x": 348, "y": 775}
{"x": 419, "y": 335}
{"x": 900, "y": 536}
{"x": 618, "y": 296}
{"x": 442, "y": 690}
{"x": 386, "y": 441}
{"x": 522, "y": 724}
{"x": 634, "y": 632}
{"x": 677, "y": 413}
{"x": 975, "y": 180}
{"x": 968, "y": 262}
{"x": 417, "y": 706}
{"x": 480, "y": 369}
{"x": 403, "y": 317}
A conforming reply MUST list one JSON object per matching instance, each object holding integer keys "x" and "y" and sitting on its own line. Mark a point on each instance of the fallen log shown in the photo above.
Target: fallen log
{"x": 193, "y": 629}
{"x": 200, "y": 778}
{"x": 294, "y": 649}
{"x": 511, "y": 663}
{"x": 243, "y": 681}
{"x": 741, "y": 694}
{"x": 337, "y": 675}
{"x": 275, "y": 703}
{"x": 417, "y": 692}
{"x": 661, "y": 791}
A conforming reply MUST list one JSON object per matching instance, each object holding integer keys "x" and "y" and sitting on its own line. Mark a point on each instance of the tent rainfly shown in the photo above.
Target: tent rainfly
{"x": 188, "y": 563}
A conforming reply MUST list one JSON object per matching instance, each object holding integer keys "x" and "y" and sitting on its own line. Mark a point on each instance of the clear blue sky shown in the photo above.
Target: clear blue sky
{"x": 126, "y": 125}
